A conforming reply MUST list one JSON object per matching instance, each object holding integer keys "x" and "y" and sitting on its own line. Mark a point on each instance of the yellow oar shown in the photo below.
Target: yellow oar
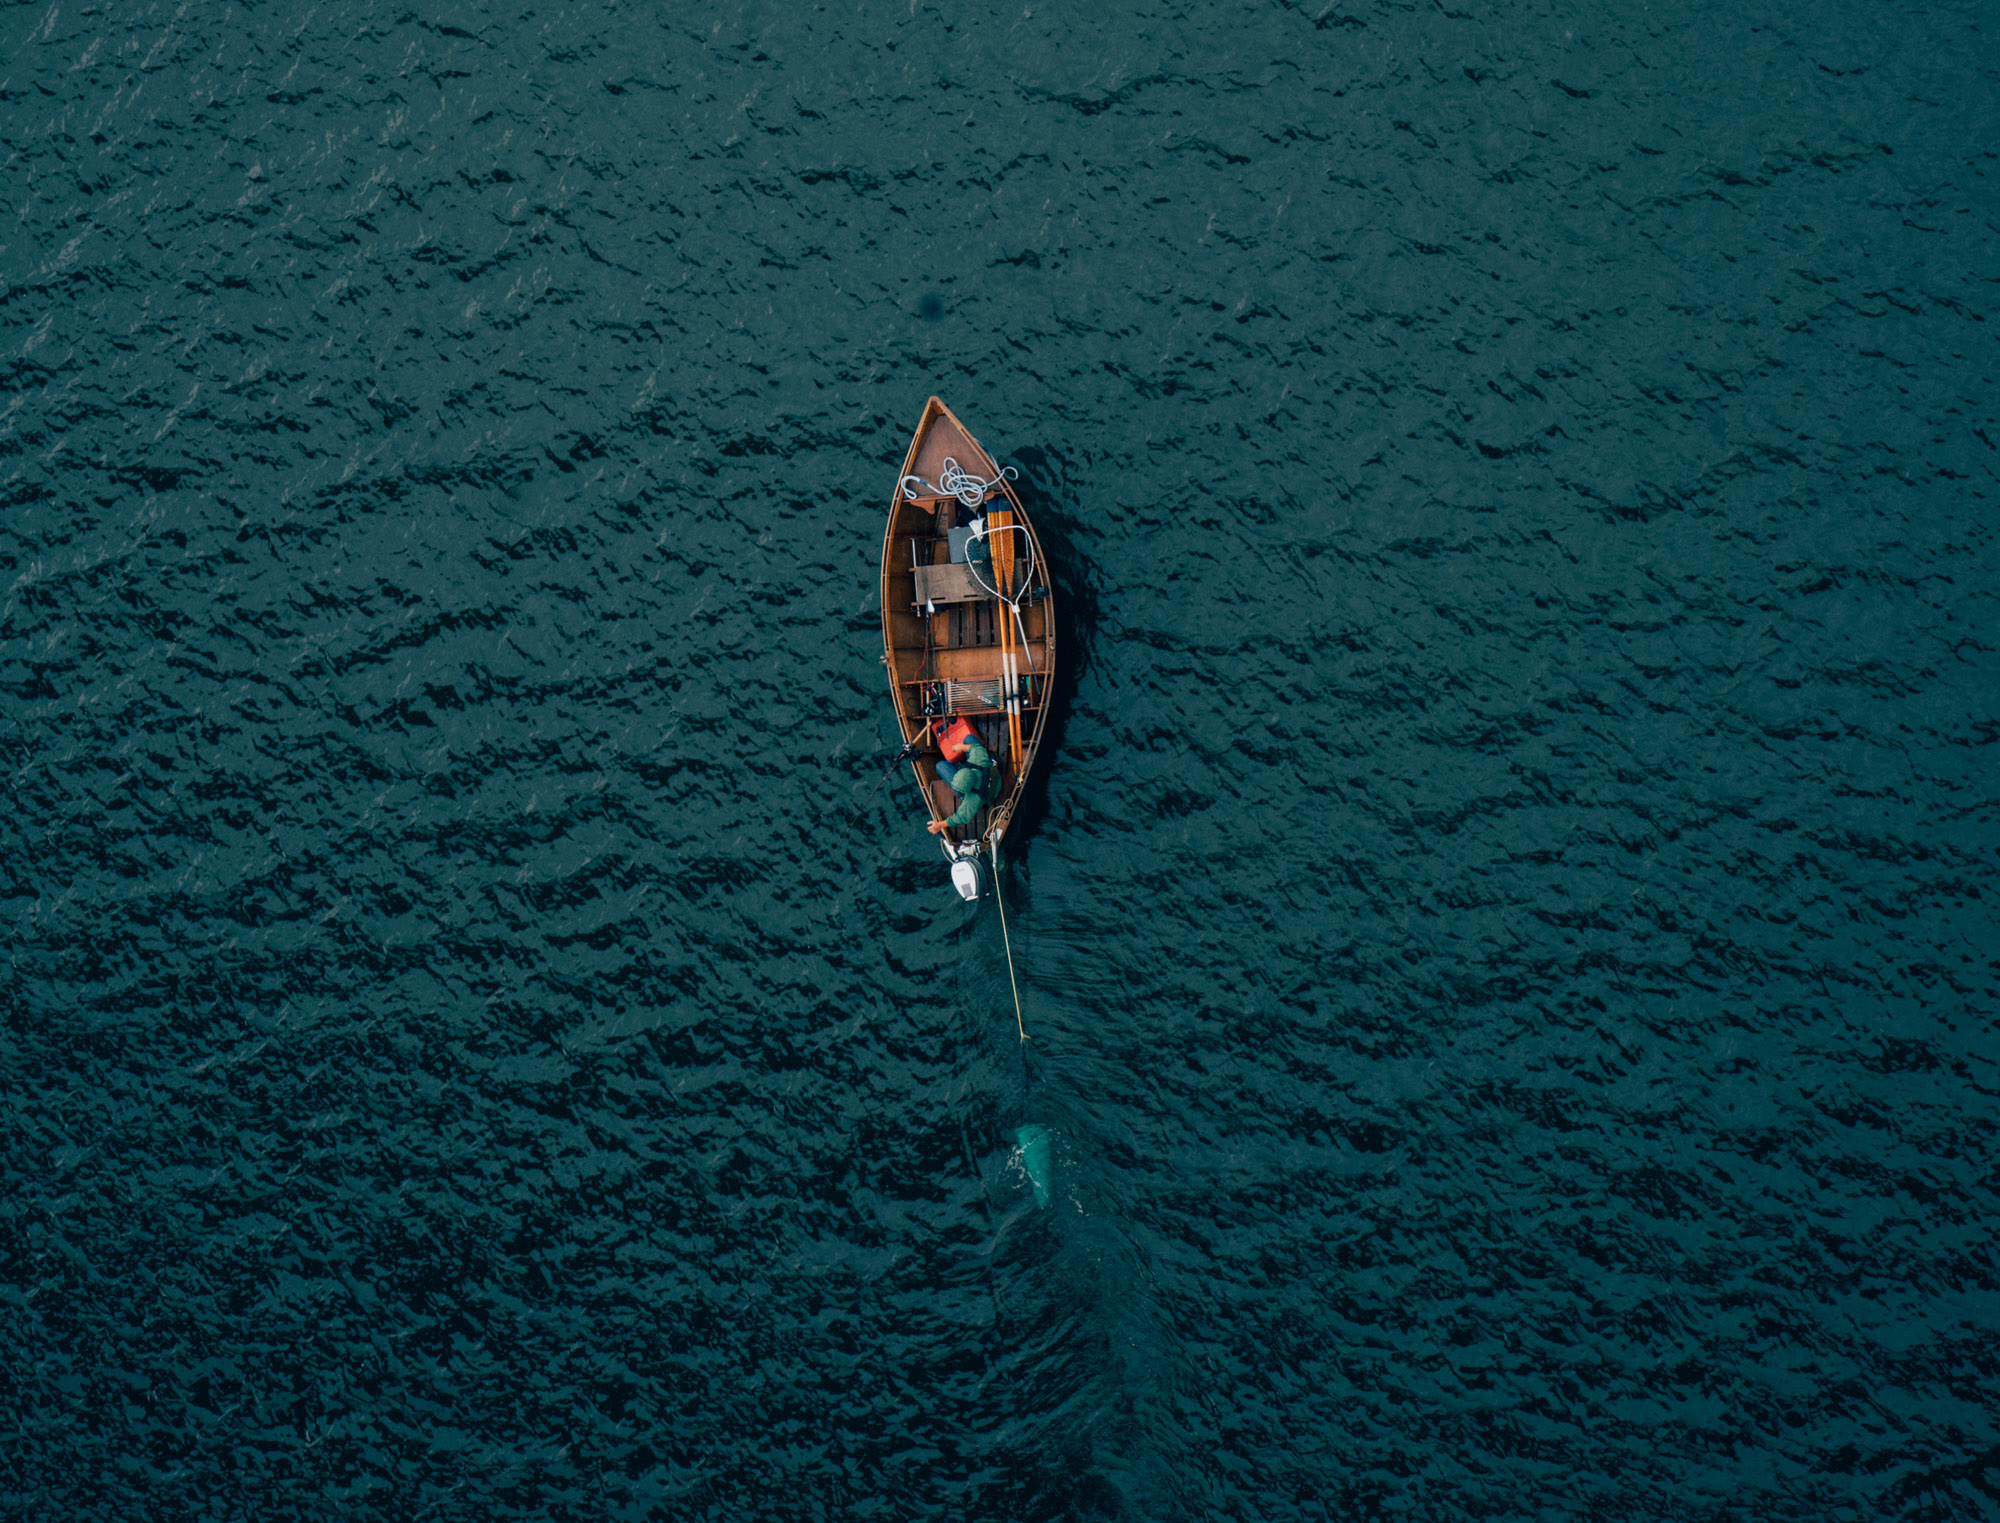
{"x": 1000, "y": 525}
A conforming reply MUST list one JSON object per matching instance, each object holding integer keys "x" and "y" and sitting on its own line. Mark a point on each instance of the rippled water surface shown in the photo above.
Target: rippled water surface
{"x": 1508, "y": 927}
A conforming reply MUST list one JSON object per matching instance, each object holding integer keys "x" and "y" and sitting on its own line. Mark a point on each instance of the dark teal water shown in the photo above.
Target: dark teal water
{"x": 1509, "y": 931}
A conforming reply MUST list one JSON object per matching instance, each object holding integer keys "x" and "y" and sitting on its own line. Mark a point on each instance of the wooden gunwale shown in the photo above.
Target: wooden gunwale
{"x": 904, "y": 524}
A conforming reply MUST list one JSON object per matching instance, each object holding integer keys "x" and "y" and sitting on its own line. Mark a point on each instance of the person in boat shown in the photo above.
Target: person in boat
{"x": 964, "y": 764}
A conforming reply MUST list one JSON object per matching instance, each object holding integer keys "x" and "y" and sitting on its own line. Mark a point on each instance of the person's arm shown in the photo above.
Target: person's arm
{"x": 968, "y": 806}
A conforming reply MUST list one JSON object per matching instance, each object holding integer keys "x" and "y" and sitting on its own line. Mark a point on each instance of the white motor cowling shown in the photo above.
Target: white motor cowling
{"x": 965, "y": 878}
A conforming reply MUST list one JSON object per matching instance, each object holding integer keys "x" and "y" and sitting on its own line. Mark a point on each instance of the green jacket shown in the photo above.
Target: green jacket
{"x": 969, "y": 783}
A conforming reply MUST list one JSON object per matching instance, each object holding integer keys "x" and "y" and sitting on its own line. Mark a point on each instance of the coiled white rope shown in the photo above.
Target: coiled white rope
{"x": 956, "y": 482}
{"x": 1027, "y": 571}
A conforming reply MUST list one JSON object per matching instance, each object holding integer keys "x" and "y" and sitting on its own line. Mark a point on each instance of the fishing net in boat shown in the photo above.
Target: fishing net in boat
{"x": 947, "y": 696}
{"x": 967, "y": 695}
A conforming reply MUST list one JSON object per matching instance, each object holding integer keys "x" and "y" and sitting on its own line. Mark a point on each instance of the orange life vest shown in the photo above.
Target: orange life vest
{"x": 956, "y": 737}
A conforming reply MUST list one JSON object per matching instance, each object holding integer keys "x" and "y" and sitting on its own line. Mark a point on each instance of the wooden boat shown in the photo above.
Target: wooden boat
{"x": 962, "y": 636}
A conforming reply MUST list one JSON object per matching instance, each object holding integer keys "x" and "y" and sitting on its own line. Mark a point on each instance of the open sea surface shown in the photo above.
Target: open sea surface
{"x": 1507, "y": 926}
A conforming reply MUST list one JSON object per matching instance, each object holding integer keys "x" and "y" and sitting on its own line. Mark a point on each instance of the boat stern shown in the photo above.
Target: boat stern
{"x": 965, "y": 874}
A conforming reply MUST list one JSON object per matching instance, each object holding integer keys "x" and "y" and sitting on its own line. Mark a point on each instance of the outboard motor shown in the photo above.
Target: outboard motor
{"x": 965, "y": 875}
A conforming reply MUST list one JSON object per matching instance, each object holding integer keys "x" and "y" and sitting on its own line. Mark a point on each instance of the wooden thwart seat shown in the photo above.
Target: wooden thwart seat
{"x": 971, "y": 663}
{"x": 952, "y": 582}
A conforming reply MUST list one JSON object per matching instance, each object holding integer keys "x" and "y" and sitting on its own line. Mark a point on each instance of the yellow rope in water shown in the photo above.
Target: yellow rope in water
{"x": 1010, "y": 947}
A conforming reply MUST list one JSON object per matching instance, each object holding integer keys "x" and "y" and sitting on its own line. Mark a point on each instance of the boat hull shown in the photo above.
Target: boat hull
{"x": 949, "y": 647}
